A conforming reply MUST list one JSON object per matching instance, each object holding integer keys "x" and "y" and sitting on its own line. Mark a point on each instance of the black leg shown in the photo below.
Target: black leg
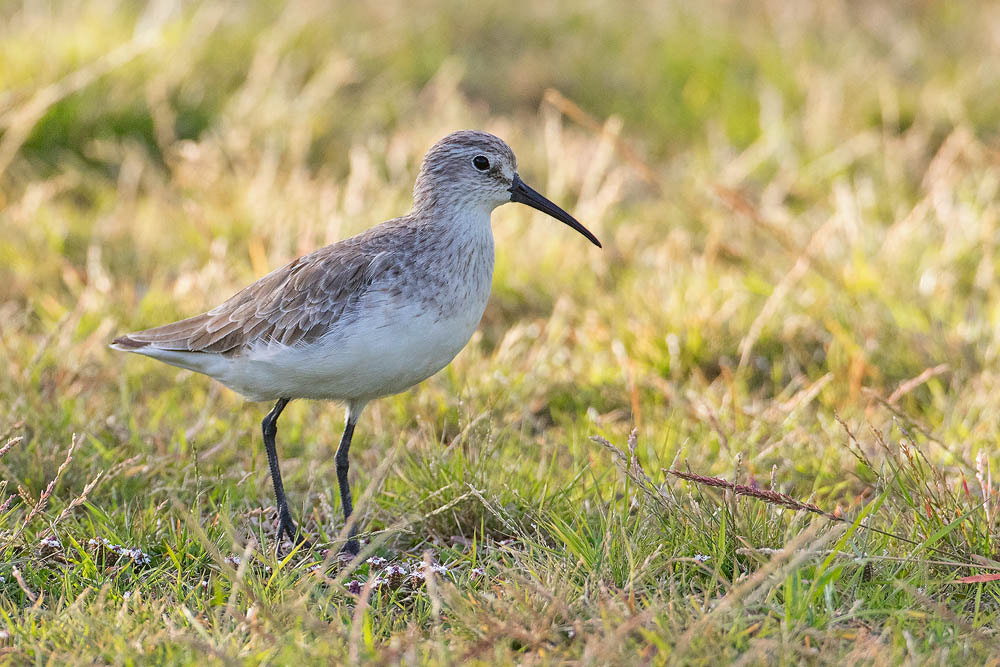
{"x": 343, "y": 465}
{"x": 270, "y": 428}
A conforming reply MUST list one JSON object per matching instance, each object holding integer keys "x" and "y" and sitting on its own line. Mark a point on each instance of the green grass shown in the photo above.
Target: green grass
{"x": 799, "y": 292}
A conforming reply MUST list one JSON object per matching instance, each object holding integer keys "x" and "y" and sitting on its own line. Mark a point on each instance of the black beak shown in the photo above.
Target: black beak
{"x": 522, "y": 194}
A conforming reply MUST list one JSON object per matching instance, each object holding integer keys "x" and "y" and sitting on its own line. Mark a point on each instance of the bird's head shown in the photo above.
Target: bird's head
{"x": 476, "y": 169}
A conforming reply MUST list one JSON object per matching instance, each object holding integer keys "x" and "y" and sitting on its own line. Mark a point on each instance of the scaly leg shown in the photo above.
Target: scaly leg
{"x": 343, "y": 465}
{"x": 270, "y": 428}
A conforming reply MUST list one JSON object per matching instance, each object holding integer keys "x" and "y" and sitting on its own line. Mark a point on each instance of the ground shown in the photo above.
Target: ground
{"x": 797, "y": 309}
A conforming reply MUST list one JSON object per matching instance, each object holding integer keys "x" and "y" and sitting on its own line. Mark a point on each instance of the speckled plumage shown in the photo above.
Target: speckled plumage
{"x": 368, "y": 316}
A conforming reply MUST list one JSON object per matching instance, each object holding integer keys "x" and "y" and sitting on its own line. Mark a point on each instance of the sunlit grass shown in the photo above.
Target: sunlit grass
{"x": 798, "y": 294}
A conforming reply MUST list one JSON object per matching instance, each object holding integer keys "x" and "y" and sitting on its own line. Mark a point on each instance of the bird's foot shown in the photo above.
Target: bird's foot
{"x": 287, "y": 527}
{"x": 351, "y": 547}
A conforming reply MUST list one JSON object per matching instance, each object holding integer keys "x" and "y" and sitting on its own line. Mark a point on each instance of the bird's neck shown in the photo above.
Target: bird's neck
{"x": 457, "y": 258}
{"x": 468, "y": 223}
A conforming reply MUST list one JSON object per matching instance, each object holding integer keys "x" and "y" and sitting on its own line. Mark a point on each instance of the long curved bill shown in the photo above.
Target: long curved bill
{"x": 522, "y": 194}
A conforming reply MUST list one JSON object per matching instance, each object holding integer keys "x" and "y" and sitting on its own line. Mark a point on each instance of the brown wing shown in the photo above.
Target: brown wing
{"x": 297, "y": 302}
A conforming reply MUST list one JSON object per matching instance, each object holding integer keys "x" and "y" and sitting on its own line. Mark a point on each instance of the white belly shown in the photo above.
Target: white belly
{"x": 393, "y": 347}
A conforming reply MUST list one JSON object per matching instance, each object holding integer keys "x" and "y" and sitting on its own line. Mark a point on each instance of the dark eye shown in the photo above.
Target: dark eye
{"x": 481, "y": 163}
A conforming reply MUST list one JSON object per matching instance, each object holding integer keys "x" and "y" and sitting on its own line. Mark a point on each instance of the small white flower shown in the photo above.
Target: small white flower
{"x": 701, "y": 558}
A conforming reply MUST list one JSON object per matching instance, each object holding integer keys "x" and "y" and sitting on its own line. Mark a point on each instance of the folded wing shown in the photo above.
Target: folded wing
{"x": 297, "y": 303}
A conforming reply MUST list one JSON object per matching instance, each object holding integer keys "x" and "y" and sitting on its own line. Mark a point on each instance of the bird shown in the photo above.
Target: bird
{"x": 368, "y": 316}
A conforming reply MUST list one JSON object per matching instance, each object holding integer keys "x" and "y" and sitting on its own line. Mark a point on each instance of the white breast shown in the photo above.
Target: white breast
{"x": 387, "y": 352}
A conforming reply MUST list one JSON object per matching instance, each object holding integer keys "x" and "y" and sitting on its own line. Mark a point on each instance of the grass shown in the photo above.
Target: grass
{"x": 796, "y": 312}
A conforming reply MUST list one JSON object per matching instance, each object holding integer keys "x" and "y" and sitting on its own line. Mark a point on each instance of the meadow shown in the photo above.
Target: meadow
{"x": 759, "y": 427}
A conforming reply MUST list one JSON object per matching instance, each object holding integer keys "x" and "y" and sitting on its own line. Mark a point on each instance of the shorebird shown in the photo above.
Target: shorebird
{"x": 368, "y": 316}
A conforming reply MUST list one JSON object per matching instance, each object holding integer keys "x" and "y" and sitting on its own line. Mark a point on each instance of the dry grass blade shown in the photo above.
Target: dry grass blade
{"x": 43, "y": 499}
{"x": 783, "y": 500}
{"x": 10, "y": 429}
{"x": 357, "y": 620}
{"x": 906, "y": 387}
{"x": 628, "y": 462}
{"x": 16, "y": 572}
{"x": 572, "y": 110}
{"x": 21, "y": 120}
{"x": 943, "y": 611}
{"x": 978, "y": 578}
{"x": 73, "y": 504}
{"x": 10, "y": 443}
{"x": 772, "y": 497}
{"x": 802, "y": 546}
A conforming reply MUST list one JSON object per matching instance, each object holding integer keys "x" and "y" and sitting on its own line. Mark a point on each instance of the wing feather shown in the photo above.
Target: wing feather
{"x": 297, "y": 303}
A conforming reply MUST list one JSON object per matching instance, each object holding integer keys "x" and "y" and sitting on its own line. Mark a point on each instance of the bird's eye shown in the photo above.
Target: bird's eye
{"x": 481, "y": 163}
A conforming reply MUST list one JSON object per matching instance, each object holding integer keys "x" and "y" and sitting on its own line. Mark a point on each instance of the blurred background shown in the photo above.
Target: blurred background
{"x": 798, "y": 203}
{"x": 795, "y": 193}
